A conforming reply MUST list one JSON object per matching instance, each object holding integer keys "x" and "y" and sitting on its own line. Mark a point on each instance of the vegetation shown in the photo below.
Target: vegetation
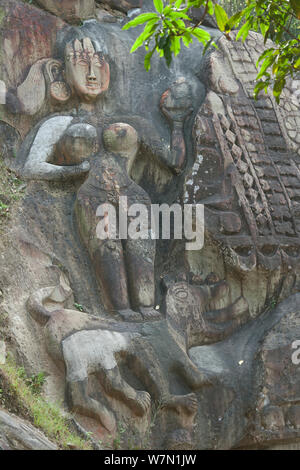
{"x": 21, "y": 394}
{"x": 127, "y": 437}
{"x": 233, "y": 6}
{"x": 170, "y": 26}
{"x": 11, "y": 191}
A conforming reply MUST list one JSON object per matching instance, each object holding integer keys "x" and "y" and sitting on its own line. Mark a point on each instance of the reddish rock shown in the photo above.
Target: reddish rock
{"x": 273, "y": 418}
{"x": 123, "y": 5}
{"x": 28, "y": 34}
{"x": 70, "y": 10}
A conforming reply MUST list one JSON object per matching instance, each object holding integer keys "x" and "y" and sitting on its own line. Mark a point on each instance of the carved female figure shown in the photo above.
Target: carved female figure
{"x": 62, "y": 149}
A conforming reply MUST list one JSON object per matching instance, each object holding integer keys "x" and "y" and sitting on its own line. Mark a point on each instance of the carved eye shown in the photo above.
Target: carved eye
{"x": 97, "y": 63}
{"x": 83, "y": 63}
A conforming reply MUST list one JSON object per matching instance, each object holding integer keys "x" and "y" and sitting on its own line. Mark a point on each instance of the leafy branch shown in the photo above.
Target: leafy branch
{"x": 170, "y": 27}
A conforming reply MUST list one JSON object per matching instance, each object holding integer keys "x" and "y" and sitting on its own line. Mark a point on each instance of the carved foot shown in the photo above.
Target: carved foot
{"x": 139, "y": 402}
{"x": 149, "y": 313}
{"x": 186, "y": 404}
{"x": 130, "y": 315}
{"x": 195, "y": 378}
{"x": 143, "y": 401}
{"x": 105, "y": 416}
{"x": 83, "y": 404}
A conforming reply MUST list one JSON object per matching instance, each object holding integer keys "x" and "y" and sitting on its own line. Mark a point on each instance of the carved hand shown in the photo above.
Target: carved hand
{"x": 76, "y": 170}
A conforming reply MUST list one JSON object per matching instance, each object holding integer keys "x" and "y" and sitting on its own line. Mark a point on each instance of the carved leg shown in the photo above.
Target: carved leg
{"x": 109, "y": 264}
{"x": 81, "y": 402}
{"x": 107, "y": 259}
{"x": 194, "y": 377}
{"x": 115, "y": 386}
{"x": 146, "y": 366}
{"x": 140, "y": 255}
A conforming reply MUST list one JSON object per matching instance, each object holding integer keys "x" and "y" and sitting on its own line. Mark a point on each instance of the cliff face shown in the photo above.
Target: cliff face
{"x": 191, "y": 348}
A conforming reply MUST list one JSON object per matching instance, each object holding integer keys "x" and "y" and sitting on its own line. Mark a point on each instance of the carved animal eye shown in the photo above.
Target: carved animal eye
{"x": 181, "y": 293}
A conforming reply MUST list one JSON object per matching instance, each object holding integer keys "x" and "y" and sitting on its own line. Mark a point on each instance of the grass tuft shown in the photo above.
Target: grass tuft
{"x": 27, "y": 398}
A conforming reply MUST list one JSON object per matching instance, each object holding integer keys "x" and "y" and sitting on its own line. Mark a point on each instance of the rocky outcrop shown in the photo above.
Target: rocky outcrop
{"x": 121, "y": 323}
{"x": 17, "y": 434}
{"x": 73, "y": 11}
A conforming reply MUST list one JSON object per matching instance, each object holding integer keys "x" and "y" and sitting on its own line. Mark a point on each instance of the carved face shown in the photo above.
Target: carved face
{"x": 87, "y": 72}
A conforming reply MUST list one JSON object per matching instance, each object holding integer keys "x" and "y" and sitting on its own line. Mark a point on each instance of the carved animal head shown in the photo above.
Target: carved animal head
{"x": 185, "y": 305}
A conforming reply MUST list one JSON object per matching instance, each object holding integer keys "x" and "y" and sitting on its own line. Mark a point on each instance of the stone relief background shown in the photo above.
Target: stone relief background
{"x": 213, "y": 363}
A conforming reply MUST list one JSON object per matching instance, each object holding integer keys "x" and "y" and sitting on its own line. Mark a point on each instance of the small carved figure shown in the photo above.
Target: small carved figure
{"x": 124, "y": 268}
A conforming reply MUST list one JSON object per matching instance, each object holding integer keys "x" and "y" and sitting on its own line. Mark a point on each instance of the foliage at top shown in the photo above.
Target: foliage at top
{"x": 170, "y": 26}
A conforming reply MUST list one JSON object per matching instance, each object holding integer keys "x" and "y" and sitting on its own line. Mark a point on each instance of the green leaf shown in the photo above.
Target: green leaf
{"x": 208, "y": 44}
{"x": 151, "y": 26}
{"x": 262, "y": 85}
{"x": 143, "y": 18}
{"x": 147, "y": 60}
{"x": 179, "y": 24}
{"x": 277, "y": 89}
{"x": 175, "y": 47}
{"x": 265, "y": 54}
{"x": 146, "y": 34}
{"x": 167, "y": 10}
{"x": 244, "y": 31}
{"x": 179, "y": 14}
{"x": 221, "y": 17}
{"x": 235, "y": 19}
{"x": 263, "y": 28}
{"x": 158, "y": 5}
{"x": 201, "y": 35}
{"x": 266, "y": 64}
{"x": 210, "y": 7}
{"x": 162, "y": 41}
{"x": 187, "y": 39}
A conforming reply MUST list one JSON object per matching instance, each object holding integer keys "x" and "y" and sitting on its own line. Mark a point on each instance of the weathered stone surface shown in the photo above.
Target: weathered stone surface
{"x": 202, "y": 333}
{"x": 122, "y": 5}
{"x": 97, "y": 345}
{"x": 250, "y": 172}
{"x": 17, "y": 434}
{"x": 127, "y": 281}
{"x": 72, "y": 11}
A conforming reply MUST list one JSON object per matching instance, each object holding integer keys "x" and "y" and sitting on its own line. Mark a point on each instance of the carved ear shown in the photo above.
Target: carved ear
{"x": 59, "y": 90}
{"x": 105, "y": 76}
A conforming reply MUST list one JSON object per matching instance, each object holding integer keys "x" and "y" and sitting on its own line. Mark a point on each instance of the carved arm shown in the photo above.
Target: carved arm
{"x": 38, "y": 164}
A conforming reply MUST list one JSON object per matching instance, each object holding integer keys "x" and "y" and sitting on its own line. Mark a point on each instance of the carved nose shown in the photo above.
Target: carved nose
{"x": 91, "y": 75}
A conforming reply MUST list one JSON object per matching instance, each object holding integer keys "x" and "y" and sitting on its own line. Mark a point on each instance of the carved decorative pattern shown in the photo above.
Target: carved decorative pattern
{"x": 251, "y": 142}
